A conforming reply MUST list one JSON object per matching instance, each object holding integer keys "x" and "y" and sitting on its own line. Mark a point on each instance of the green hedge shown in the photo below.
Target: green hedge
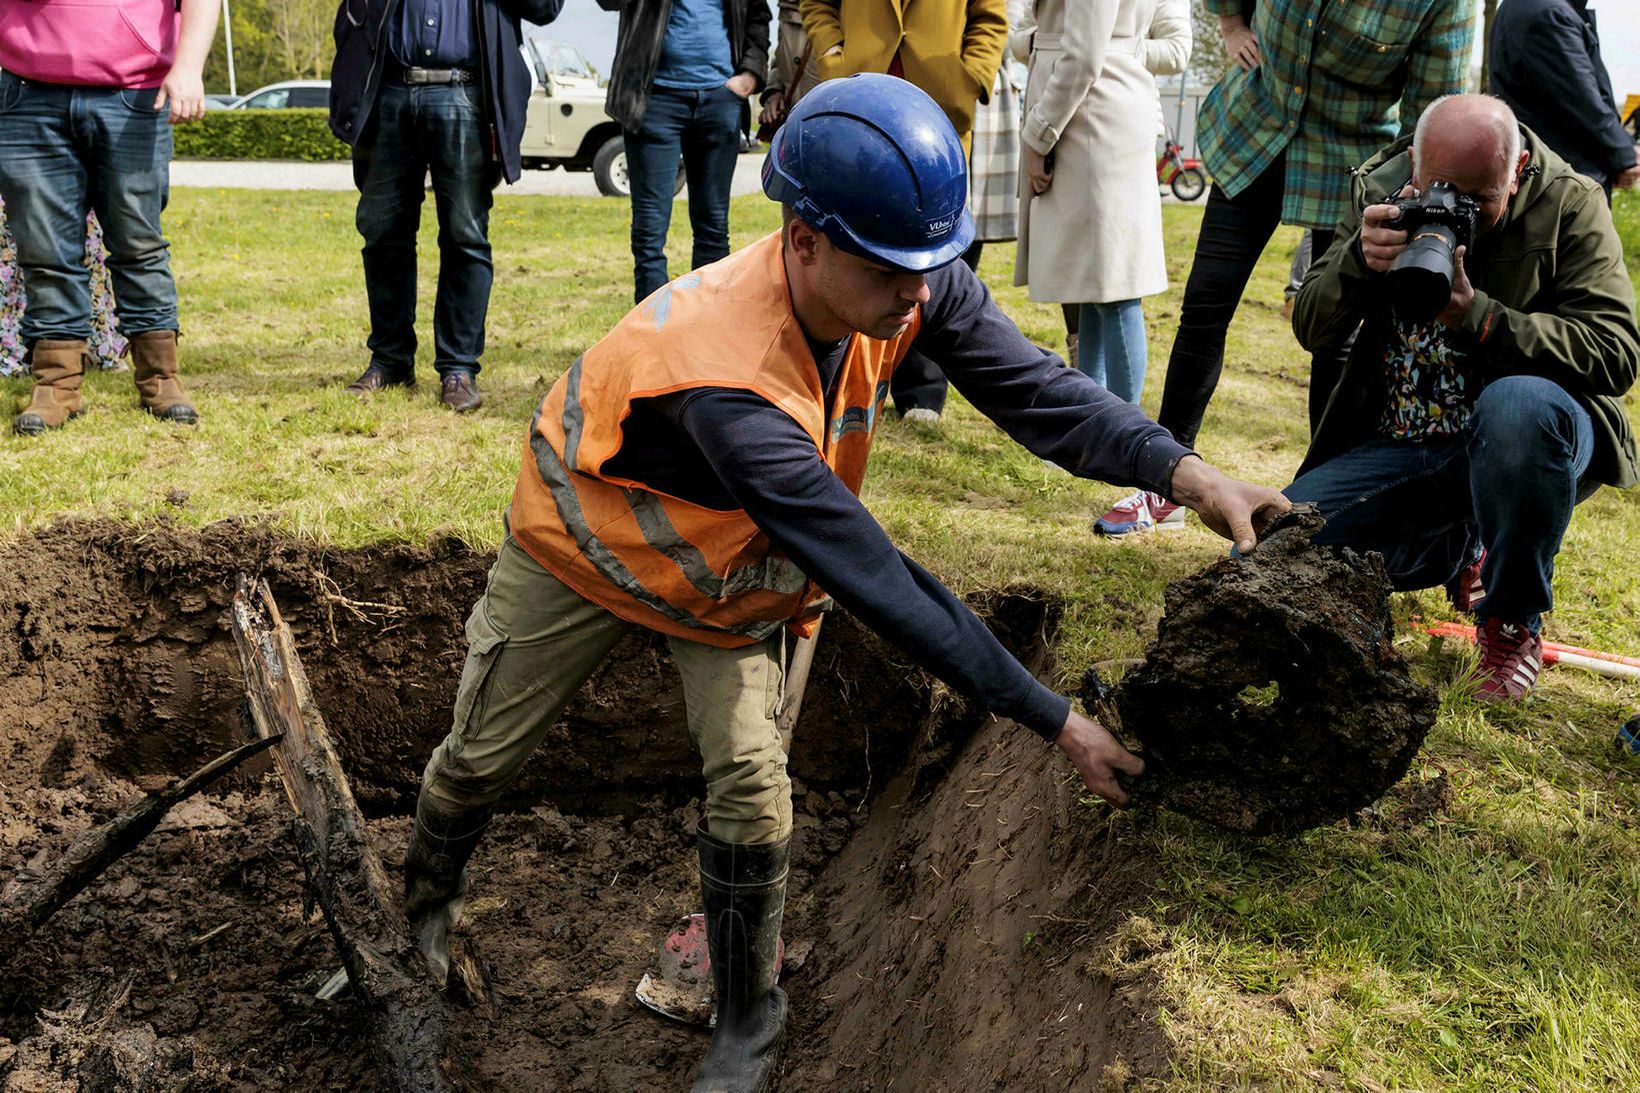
{"x": 260, "y": 134}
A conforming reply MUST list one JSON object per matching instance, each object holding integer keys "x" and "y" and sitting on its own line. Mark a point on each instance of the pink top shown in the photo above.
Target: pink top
{"x": 92, "y": 43}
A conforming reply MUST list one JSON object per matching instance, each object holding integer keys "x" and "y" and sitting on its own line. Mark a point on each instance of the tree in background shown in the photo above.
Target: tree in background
{"x": 301, "y": 34}
{"x": 1207, "y": 57}
{"x": 274, "y": 40}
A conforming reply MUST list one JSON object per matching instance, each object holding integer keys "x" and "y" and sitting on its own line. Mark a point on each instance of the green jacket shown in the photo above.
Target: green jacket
{"x": 1552, "y": 298}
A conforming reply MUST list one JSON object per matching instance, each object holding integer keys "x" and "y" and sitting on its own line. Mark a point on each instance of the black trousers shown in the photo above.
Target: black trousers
{"x": 1233, "y": 235}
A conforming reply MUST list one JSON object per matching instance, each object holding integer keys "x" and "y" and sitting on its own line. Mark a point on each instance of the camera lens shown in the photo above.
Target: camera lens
{"x": 1420, "y": 280}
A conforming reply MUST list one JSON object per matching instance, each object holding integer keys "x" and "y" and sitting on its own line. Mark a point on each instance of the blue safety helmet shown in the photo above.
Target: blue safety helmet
{"x": 875, "y": 164}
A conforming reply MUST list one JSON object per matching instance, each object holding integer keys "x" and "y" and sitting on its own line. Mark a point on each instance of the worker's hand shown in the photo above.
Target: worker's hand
{"x": 1231, "y": 507}
{"x": 774, "y": 105}
{"x": 1381, "y": 244}
{"x": 184, "y": 90}
{"x": 1036, "y": 170}
{"x": 1241, "y": 45}
{"x": 1463, "y": 294}
{"x": 1097, "y": 756}
{"x": 742, "y": 84}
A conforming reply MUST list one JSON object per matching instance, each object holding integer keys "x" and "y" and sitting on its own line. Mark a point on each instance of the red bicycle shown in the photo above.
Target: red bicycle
{"x": 1186, "y": 177}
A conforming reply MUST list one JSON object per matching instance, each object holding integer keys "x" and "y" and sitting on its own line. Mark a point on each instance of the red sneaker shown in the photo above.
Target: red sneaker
{"x": 1465, "y": 591}
{"x": 1511, "y": 658}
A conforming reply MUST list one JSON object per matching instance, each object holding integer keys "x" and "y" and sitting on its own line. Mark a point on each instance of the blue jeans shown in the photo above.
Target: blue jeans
{"x": 416, "y": 130}
{"x": 1507, "y": 484}
{"x": 1110, "y": 347}
{"x": 704, "y": 128}
{"x": 65, "y": 150}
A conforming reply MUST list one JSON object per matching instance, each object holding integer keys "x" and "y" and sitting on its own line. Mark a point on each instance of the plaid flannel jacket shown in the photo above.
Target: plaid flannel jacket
{"x": 1339, "y": 80}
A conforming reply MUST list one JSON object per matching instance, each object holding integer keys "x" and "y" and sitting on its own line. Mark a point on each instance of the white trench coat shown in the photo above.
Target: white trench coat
{"x": 1091, "y": 100}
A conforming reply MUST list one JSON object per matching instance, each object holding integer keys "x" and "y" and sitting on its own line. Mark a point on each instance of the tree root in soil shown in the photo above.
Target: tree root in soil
{"x": 1273, "y": 699}
{"x": 33, "y": 897}
{"x": 409, "y": 1017}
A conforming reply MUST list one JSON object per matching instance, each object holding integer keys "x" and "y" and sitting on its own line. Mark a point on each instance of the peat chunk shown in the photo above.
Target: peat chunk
{"x": 1273, "y": 699}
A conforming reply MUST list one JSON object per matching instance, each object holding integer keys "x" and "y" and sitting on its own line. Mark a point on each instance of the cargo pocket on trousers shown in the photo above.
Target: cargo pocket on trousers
{"x": 485, "y": 641}
{"x": 775, "y": 699}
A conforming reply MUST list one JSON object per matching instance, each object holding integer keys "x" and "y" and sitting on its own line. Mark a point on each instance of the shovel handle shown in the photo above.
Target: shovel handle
{"x": 797, "y": 682}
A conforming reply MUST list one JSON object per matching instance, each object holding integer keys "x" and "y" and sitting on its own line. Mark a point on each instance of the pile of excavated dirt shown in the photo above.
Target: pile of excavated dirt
{"x": 954, "y": 889}
{"x": 1273, "y": 699}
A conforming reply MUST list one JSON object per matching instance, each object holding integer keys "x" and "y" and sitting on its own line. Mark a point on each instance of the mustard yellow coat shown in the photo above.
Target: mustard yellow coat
{"x": 949, "y": 48}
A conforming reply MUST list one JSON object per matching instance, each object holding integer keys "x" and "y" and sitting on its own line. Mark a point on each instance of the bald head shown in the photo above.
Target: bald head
{"x": 1477, "y": 131}
{"x": 1473, "y": 142}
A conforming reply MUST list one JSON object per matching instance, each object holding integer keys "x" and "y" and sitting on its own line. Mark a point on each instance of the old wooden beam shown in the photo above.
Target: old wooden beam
{"x": 409, "y": 1017}
{"x": 34, "y": 896}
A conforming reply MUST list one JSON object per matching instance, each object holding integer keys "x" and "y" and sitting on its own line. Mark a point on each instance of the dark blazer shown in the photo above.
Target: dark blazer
{"x": 638, "y": 50}
{"x": 361, "y": 52}
{"x": 1546, "y": 65}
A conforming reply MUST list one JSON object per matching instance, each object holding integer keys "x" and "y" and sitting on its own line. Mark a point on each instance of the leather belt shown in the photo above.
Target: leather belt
{"x": 415, "y": 75}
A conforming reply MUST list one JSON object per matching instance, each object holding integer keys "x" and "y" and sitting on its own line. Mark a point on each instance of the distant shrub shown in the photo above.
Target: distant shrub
{"x": 260, "y": 134}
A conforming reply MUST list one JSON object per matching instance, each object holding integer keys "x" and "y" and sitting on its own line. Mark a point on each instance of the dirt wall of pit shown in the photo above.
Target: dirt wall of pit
{"x": 954, "y": 890}
{"x": 115, "y": 655}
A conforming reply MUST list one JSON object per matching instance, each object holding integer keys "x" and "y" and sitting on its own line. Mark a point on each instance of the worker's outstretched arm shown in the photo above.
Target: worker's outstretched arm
{"x": 769, "y": 466}
{"x": 1062, "y": 415}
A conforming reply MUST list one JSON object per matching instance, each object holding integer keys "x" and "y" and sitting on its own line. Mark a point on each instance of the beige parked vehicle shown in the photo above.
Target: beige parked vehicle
{"x": 565, "y": 125}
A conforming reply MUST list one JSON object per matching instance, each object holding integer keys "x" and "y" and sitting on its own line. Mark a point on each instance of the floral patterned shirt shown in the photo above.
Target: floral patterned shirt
{"x": 1432, "y": 386}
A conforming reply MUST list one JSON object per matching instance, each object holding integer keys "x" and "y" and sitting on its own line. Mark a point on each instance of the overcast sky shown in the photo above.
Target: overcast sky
{"x": 592, "y": 30}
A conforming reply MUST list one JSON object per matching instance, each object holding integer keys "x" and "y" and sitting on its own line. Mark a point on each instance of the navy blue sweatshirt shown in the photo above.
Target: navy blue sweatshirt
{"x": 728, "y": 449}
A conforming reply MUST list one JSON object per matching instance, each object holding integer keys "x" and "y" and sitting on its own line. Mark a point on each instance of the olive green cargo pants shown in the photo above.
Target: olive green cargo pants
{"x": 532, "y": 641}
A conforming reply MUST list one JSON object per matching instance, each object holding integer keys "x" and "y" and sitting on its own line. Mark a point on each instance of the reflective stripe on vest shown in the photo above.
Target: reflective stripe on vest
{"x": 655, "y": 559}
{"x": 773, "y": 573}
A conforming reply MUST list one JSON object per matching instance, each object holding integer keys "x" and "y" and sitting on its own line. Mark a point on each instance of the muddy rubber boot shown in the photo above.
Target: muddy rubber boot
{"x": 154, "y": 367}
{"x": 58, "y": 366}
{"x": 435, "y": 877}
{"x": 744, "y": 889}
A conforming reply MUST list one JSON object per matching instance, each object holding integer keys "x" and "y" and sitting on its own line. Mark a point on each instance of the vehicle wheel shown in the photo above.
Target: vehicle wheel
{"x": 609, "y": 170}
{"x": 1189, "y": 183}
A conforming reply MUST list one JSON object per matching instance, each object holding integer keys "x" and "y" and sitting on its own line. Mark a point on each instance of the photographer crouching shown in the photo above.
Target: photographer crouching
{"x": 1483, "y": 398}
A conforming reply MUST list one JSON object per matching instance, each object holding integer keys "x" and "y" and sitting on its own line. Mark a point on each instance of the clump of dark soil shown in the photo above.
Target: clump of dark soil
{"x": 949, "y": 879}
{"x": 1273, "y": 699}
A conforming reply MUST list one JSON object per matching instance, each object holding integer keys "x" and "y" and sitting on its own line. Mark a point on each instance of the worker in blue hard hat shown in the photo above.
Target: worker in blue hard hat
{"x": 697, "y": 471}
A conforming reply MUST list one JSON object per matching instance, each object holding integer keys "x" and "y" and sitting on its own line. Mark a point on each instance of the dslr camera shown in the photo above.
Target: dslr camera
{"x": 1437, "y": 223}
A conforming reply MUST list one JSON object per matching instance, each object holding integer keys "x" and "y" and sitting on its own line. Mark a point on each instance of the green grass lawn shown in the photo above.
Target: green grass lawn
{"x": 1492, "y": 947}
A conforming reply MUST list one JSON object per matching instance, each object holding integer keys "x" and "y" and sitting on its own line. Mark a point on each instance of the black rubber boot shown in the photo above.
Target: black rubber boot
{"x": 435, "y": 876}
{"x": 744, "y": 889}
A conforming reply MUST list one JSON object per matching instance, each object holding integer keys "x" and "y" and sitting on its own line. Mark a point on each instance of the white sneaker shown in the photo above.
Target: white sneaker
{"x": 1141, "y": 511}
{"x": 921, "y": 416}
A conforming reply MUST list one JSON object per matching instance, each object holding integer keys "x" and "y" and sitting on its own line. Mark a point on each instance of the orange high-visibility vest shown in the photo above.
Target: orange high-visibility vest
{"x": 657, "y": 560}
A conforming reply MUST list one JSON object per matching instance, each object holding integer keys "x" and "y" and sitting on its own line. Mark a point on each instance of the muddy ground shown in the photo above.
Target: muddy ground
{"x": 956, "y": 892}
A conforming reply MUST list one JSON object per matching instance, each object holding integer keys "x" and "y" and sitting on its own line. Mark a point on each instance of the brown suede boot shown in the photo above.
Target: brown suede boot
{"x": 58, "y": 368}
{"x": 154, "y": 366}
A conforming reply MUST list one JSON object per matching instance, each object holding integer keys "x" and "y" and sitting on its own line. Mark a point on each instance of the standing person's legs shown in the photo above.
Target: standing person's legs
{"x": 47, "y": 190}
{"x": 1090, "y": 348}
{"x": 388, "y": 169}
{"x": 531, "y": 643}
{"x": 652, "y": 152}
{"x": 1233, "y": 234}
{"x": 44, "y": 180}
{"x": 733, "y": 698}
{"x": 1112, "y": 350}
{"x": 451, "y": 128}
{"x": 130, "y": 153}
{"x": 711, "y": 147}
{"x": 129, "y": 157}
{"x": 918, "y": 389}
